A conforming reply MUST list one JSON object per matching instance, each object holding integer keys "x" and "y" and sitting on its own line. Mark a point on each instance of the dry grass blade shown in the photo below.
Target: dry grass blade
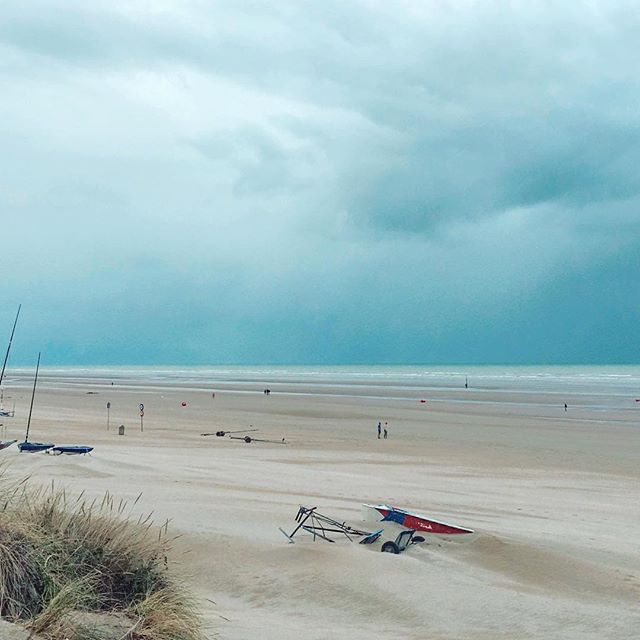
{"x": 166, "y": 614}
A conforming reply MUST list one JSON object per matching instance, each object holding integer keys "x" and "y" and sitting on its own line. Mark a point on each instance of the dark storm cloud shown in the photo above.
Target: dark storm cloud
{"x": 321, "y": 181}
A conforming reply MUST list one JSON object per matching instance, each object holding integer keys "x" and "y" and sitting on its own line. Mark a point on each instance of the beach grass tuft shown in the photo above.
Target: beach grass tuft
{"x": 62, "y": 556}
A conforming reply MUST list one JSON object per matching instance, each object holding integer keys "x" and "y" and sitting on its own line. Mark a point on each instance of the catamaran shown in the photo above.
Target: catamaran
{"x": 33, "y": 447}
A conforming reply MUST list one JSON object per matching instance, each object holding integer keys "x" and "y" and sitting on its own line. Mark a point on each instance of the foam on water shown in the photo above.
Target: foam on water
{"x": 609, "y": 379}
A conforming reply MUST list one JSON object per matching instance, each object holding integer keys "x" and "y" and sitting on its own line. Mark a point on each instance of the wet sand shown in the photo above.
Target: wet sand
{"x": 553, "y": 496}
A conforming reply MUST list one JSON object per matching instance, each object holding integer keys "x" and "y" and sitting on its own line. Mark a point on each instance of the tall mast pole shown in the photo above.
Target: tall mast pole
{"x": 6, "y": 355}
{"x": 33, "y": 395}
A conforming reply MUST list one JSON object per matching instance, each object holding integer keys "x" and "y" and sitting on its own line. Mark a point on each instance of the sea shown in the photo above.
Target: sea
{"x": 600, "y": 392}
{"x": 586, "y": 379}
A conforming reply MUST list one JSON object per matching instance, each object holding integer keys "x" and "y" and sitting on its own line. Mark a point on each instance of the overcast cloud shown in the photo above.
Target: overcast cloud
{"x": 363, "y": 181}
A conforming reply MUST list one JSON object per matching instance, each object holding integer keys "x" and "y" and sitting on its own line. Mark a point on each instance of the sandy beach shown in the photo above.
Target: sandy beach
{"x": 553, "y": 496}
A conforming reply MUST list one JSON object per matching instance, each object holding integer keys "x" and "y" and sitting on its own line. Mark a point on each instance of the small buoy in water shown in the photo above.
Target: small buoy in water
{"x": 184, "y": 404}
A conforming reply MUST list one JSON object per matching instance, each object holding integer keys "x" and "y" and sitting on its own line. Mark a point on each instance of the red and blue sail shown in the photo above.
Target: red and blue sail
{"x": 410, "y": 520}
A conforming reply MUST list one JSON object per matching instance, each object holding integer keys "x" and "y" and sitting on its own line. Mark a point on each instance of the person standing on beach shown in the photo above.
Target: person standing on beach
{"x": 565, "y": 406}
{"x": 379, "y": 429}
{"x": 385, "y": 430}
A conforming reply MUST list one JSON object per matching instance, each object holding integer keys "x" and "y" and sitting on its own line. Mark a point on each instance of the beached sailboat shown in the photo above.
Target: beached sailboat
{"x": 33, "y": 447}
{"x": 4, "y": 444}
{"x": 410, "y": 520}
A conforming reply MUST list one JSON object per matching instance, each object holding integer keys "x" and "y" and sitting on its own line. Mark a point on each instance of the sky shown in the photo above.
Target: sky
{"x": 353, "y": 181}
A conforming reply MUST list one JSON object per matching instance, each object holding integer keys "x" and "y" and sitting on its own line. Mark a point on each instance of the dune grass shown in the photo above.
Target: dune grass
{"x": 61, "y": 556}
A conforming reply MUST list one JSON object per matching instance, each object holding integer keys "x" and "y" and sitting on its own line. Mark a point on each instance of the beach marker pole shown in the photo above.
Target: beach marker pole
{"x": 108, "y": 412}
{"x": 141, "y": 417}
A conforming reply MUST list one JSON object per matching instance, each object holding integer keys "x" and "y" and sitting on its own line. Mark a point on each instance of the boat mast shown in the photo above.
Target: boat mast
{"x": 33, "y": 395}
{"x": 6, "y": 355}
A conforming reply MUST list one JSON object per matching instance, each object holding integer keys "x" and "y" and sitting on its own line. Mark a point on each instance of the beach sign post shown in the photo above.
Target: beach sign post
{"x": 108, "y": 412}
{"x": 141, "y": 417}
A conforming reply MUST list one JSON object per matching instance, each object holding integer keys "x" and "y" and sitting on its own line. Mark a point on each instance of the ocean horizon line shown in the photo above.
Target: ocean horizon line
{"x": 26, "y": 364}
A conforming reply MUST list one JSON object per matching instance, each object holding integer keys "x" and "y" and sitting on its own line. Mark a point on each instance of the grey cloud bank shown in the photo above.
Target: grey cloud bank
{"x": 321, "y": 182}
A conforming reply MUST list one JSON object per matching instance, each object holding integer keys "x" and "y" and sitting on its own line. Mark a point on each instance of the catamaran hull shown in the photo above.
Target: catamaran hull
{"x": 71, "y": 450}
{"x": 34, "y": 447}
{"x": 383, "y": 513}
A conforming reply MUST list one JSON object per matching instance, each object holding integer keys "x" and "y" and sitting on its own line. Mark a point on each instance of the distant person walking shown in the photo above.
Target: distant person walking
{"x": 565, "y": 406}
{"x": 385, "y": 430}
{"x": 379, "y": 429}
